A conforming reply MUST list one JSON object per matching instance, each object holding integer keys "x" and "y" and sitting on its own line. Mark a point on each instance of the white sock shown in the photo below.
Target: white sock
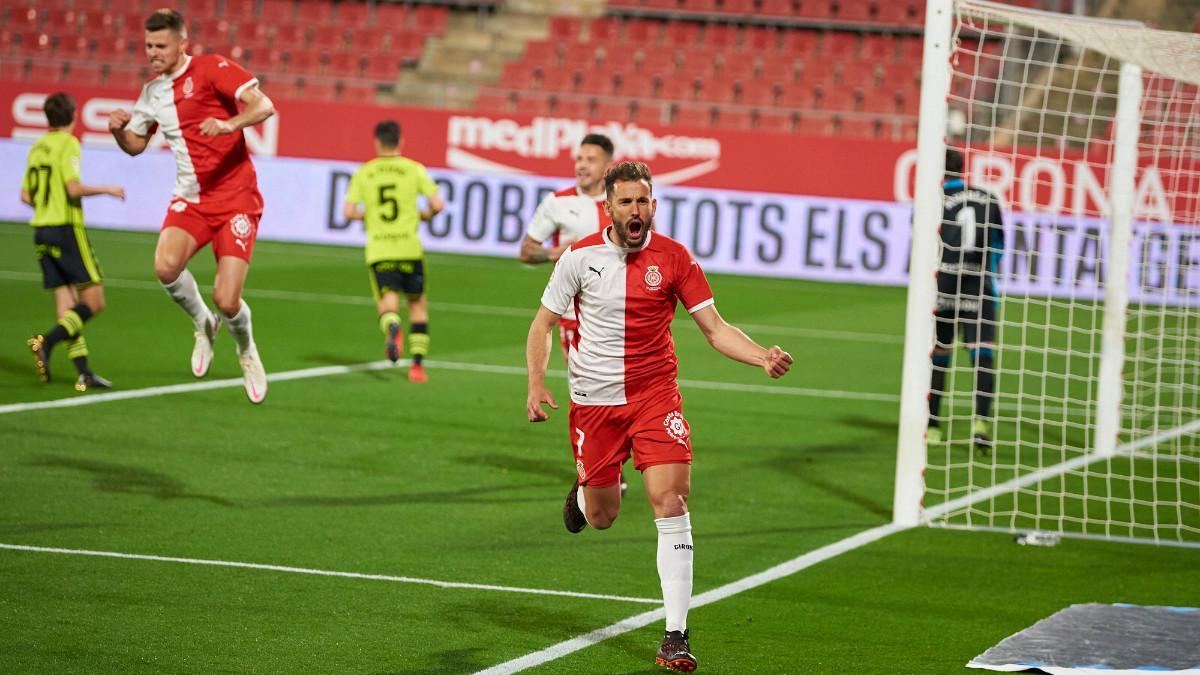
{"x": 241, "y": 329}
{"x": 186, "y": 294}
{"x": 582, "y": 506}
{"x": 675, "y": 567}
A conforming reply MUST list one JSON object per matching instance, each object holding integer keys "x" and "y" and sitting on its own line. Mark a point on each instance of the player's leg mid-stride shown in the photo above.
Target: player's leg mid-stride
{"x": 176, "y": 246}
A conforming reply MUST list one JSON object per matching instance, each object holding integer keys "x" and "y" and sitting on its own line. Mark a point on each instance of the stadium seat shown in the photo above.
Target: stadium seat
{"x": 289, "y": 36}
{"x": 344, "y": 64}
{"x": 677, "y": 89}
{"x": 277, "y": 11}
{"x": 649, "y": 112}
{"x": 571, "y": 106}
{"x": 603, "y": 30}
{"x": 644, "y": 32}
{"x": 545, "y": 52}
{"x": 734, "y": 118}
{"x": 516, "y": 75}
{"x": 692, "y": 116}
{"x": 381, "y": 67}
{"x": 315, "y": 12}
{"x": 85, "y": 74}
{"x": 493, "y": 102}
{"x": 534, "y": 104}
{"x": 357, "y": 93}
{"x": 759, "y": 39}
{"x": 681, "y": 34}
{"x": 821, "y": 10}
{"x": 611, "y": 111}
{"x": 408, "y": 46}
{"x": 839, "y": 45}
{"x": 721, "y": 36}
{"x": 892, "y": 13}
{"x": 239, "y": 11}
{"x": 353, "y": 14}
{"x": 876, "y": 48}
{"x": 393, "y": 18}
{"x": 778, "y": 8}
{"x": 565, "y": 28}
{"x": 801, "y": 42}
{"x": 772, "y": 120}
{"x": 303, "y": 61}
{"x": 854, "y": 127}
{"x": 200, "y": 8}
{"x": 556, "y": 80}
{"x": 757, "y": 93}
{"x": 853, "y": 12}
{"x": 73, "y": 48}
{"x": 320, "y": 90}
{"x": 44, "y": 73}
{"x": 814, "y": 125}
{"x": 328, "y": 37}
{"x": 429, "y": 19}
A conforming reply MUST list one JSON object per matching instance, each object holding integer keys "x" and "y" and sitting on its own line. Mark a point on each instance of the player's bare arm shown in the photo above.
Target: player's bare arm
{"x": 26, "y": 198}
{"x": 533, "y": 252}
{"x": 733, "y": 343}
{"x": 257, "y": 109}
{"x": 537, "y": 353}
{"x": 436, "y": 206}
{"x": 129, "y": 142}
{"x": 352, "y": 211}
{"x": 76, "y": 190}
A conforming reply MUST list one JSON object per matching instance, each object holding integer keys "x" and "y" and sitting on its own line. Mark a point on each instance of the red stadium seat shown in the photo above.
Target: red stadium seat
{"x": 76, "y": 47}
{"x": 758, "y": 94}
{"x": 892, "y": 13}
{"x": 611, "y": 111}
{"x": 408, "y": 46}
{"x": 681, "y": 34}
{"x": 772, "y": 120}
{"x": 517, "y": 75}
{"x": 715, "y": 89}
{"x": 759, "y": 39}
{"x": 277, "y": 11}
{"x": 855, "y": 128}
{"x": 430, "y": 19}
{"x": 733, "y": 118}
{"x": 353, "y": 14}
{"x": 643, "y": 32}
{"x": 603, "y": 30}
{"x": 876, "y": 48}
{"x": 692, "y": 116}
{"x": 839, "y": 45}
{"x": 571, "y": 107}
{"x": 649, "y": 112}
{"x": 200, "y": 9}
{"x": 321, "y": 90}
{"x": 493, "y": 102}
{"x": 854, "y": 12}
{"x": 289, "y": 36}
{"x": 328, "y": 37}
{"x": 85, "y": 75}
{"x": 357, "y": 93}
{"x": 836, "y": 99}
{"x": 303, "y": 61}
{"x": 240, "y": 11}
{"x": 534, "y": 104}
{"x": 743, "y": 7}
{"x": 565, "y": 28}
{"x": 344, "y": 64}
{"x": 90, "y": 6}
{"x": 677, "y": 89}
{"x": 800, "y": 42}
{"x": 814, "y": 125}
{"x": 721, "y": 36}
{"x": 816, "y": 9}
{"x": 778, "y": 8}
{"x": 315, "y": 12}
{"x": 544, "y": 52}
{"x": 25, "y": 19}
{"x": 381, "y": 67}
{"x": 394, "y": 18}
{"x": 44, "y": 73}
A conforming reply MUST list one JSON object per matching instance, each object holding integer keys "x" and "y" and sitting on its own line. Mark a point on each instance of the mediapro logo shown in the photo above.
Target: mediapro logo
{"x": 505, "y": 145}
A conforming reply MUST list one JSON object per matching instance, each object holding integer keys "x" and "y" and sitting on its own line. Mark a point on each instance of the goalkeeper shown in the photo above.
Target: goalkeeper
{"x": 972, "y": 240}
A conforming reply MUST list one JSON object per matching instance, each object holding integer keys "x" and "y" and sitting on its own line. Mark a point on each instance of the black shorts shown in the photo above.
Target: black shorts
{"x": 400, "y": 276}
{"x": 66, "y": 256}
{"x": 969, "y": 303}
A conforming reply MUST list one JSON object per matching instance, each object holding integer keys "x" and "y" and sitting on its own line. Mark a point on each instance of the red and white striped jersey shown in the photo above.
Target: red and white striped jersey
{"x": 213, "y": 169}
{"x": 625, "y": 299}
{"x": 567, "y": 214}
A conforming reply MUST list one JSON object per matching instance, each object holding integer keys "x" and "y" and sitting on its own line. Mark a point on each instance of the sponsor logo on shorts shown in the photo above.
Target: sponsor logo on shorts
{"x": 240, "y": 226}
{"x": 677, "y": 427}
{"x": 653, "y": 278}
{"x": 178, "y": 206}
{"x": 580, "y": 469}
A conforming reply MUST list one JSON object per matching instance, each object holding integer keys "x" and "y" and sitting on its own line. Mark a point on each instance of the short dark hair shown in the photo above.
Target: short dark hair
{"x": 601, "y": 141}
{"x": 387, "y": 133}
{"x": 954, "y": 163}
{"x": 166, "y": 19}
{"x": 60, "y": 109}
{"x": 623, "y": 171}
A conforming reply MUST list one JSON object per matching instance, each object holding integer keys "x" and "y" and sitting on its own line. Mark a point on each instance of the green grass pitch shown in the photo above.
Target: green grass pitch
{"x": 364, "y": 472}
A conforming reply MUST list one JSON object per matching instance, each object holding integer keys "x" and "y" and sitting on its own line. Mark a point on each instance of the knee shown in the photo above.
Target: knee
{"x": 229, "y": 303}
{"x": 168, "y": 266}
{"x": 97, "y": 305}
{"x": 600, "y": 516}
{"x": 669, "y": 503}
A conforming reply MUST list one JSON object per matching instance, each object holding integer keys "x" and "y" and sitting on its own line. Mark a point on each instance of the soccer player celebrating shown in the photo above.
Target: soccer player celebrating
{"x": 383, "y": 193}
{"x": 972, "y": 240}
{"x": 52, "y": 187}
{"x": 569, "y": 215}
{"x": 625, "y": 282}
{"x": 194, "y": 102}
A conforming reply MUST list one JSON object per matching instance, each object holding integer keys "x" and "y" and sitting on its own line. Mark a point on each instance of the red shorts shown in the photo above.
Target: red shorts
{"x": 231, "y": 232}
{"x": 602, "y": 437}
{"x": 568, "y": 335}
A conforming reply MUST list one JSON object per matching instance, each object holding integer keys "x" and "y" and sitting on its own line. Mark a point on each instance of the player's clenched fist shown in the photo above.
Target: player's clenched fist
{"x": 215, "y": 127}
{"x": 777, "y": 362}
{"x": 118, "y": 118}
{"x": 533, "y": 405}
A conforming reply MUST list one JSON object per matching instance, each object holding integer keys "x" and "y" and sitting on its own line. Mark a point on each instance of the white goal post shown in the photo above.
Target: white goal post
{"x": 1082, "y": 415}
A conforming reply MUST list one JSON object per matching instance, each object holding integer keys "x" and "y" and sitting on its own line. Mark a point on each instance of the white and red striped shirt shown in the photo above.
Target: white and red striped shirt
{"x": 567, "y": 214}
{"x": 208, "y": 169}
{"x": 626, "y": 301}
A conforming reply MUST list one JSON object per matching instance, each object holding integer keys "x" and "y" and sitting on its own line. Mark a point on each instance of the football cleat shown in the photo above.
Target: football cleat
{"x": 254, "y": 376}
{"x": 981, "y": 436}
{"x": 202, "y": 353}
{"x": 934, "y": 436}
{"x": 572, "y": 516}
{"x": 416, "y": 373}
{"x": 91, "y": 381}
{"x": 675, "y": 653}
{"x": 395, "y": 343}
{"x": 41, "y": 357}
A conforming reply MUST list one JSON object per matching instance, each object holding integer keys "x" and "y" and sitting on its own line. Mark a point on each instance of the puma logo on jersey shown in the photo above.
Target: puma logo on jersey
{"x": 223, "y": 64}
{"x": 597, "y": 271}
{"x": 178, "y": 206}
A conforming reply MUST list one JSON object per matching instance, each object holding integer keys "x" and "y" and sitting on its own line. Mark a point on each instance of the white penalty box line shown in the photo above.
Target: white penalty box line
{"x": 330, "y": 573}
{"x": 328, "y": 371}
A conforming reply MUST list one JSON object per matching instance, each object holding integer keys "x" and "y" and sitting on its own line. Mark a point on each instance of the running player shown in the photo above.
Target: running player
{"x": 52, "y": 187}
{"x": 194, "y": 102}
{"x": 972, "y": 240}
{"x": 383, "y": 194}
{"x": 625, "y": 282}
{"x": 569, "y": 215}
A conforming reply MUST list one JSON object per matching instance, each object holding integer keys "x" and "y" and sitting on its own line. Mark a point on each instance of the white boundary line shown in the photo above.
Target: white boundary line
{"x": 488, "y": 310}
{"x": 330, "y": 573}
{"x": 327, "y": 371}
{"x": 720, "y": 593}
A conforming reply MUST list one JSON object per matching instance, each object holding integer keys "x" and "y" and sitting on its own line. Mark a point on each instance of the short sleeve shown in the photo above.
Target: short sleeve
{"x": 143, "y": 122}
{"x": 230, "y": 79}
{"x": 564, "y": 283}
{"x": 69, "y": 162}
{"x": 543, "y": 226}
{"x": 354, "y": 193}
{"x": 692, "y": 289}
{"x": 425, "y": 184}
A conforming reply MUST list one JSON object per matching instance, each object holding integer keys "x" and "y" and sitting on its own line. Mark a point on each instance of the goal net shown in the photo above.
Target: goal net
{"x": 1082, "y": 417}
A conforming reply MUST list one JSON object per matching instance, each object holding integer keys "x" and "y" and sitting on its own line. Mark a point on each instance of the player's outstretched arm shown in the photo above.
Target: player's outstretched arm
{"x": 257, "y": 109}
{"x": 733, "y": 343}
{"x": 537, "y": 353}
{"x": 76, "y": 190}
{"x": 129, "y": 142}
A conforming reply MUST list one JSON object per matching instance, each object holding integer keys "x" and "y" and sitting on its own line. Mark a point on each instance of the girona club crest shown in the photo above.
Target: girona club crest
{"x": 653, "y": 278}
{"x": 240, "y": 226}
{"x": 677, "y": 427}
{"x": 188, "y": 87}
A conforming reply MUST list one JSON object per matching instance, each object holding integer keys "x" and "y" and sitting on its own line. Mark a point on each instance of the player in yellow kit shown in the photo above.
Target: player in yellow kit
{"x": 69, "y": 267}
{"x": 383, "y": 193}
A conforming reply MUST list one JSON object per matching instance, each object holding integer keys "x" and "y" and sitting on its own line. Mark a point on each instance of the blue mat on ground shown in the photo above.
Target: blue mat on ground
{"x": 1108, "y": 639}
